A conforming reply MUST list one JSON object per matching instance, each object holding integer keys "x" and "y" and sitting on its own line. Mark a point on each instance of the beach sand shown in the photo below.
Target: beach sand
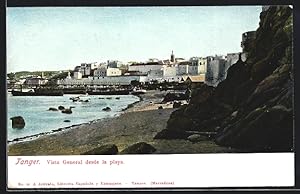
{"x": 139, "y": 123}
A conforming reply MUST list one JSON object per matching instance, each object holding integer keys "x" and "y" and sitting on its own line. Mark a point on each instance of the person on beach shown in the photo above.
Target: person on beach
{"x": 188, "y": 94}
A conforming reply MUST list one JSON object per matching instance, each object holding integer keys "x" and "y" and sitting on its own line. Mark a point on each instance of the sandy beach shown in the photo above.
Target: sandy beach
{"x": 139, "y": 123}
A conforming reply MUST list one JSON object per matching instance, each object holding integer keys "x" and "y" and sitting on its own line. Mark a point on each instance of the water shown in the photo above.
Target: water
{"x": 34, "y": 110}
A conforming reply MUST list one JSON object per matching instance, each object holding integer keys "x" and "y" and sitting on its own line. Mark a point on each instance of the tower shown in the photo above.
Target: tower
{"x": 172, "y": 57}
{"x": 69, "y": 75}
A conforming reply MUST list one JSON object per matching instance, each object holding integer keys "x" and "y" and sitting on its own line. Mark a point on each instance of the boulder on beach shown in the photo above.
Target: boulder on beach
{"x": 174, "y": 96}
{"x": 171, "y": 134}
{"x": 52, "y": 109}
{"x": 197, "y": 138}
{"x": 160, "y": 107}
{"x": 18, "y": 122}
{"x": 176, "y": 104}
{"x": 61, "y": 107}
{"x": 139, "y": 148}
{"x": 109, "y": 149}
{"x": 106, "y": 109}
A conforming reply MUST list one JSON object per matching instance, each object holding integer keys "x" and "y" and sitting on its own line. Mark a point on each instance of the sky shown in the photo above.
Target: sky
{"x": 60, "y": 38}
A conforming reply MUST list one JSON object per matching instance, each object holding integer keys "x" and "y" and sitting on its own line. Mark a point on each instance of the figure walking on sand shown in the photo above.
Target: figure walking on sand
{"x": 188, "y": 94}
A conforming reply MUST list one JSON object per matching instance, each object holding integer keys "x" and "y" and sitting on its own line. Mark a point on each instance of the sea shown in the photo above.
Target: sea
{"x": 38, "y": 118}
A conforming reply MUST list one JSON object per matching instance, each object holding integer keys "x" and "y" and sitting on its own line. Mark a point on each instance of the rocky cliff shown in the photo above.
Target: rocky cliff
{"x": 252, "y": 110}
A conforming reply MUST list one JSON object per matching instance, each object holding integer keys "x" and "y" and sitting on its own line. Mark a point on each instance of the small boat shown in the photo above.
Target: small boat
{"x": 138, "y": 91}
{"x": 38, "y": 92}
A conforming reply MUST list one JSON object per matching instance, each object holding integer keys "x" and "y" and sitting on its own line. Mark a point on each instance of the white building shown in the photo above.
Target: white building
{"x": 103, "y": 72}
{"x": 114, "y": 64}
{"x": 169, "y": 71}
{"x": 232, "y": 58}
{"x": 183, "y": 68}
{"x": 100, "y": 72}
{"x": 100, "y": 81}
{"x": 113, "y": 72}
{"x": 35, "y": 81}
{"x": 145, "y": 67}
{"x": 86, "y": 69}
{"x": 156, "y": 73}
{"x": 215, "y": 70}
{"x": 77, "y": 75}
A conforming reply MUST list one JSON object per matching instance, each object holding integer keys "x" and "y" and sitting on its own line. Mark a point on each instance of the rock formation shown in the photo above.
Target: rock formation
{"x": 106, "y": 109}
{"x": 61, "y": 107}
{"x": 52, "y": 109}
{"x": 139, "y": 148}
{"x": 109, "y": 149}
{"x": 68, "y": 110}
{"x": 252, "y": 109}
{"x": 18, "y": 122}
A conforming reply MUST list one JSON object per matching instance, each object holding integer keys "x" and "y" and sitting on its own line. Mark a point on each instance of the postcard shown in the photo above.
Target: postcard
{"x": 150, "y": 97}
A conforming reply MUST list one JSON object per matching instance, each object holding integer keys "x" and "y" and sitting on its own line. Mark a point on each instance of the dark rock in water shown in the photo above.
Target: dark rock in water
{"x": 18, "y": 122}
{"x": 160, "y": 107}
{"x": 101, "y": 98}
{"x": 68, "y": 110}
{"x": 61, "y": 108}
{"x": 118, "y": 98}
{"x": 109, "y": 98}
{"x": 67, "y": 121}
{"x": 109, "y": 149}
{"x": 84, "y": 100}
{"x": 75, "y": 99}
{"x": 176, "y": 104}
{"x": 53, "y": 109}
{"x": 197, "y": 138}
{"x": 139, "y": 148}
{"x": 106, "y": 109}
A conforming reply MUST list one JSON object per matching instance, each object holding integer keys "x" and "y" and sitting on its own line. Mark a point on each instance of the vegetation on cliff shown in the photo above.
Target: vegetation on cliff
{"x": 252, "y": 109}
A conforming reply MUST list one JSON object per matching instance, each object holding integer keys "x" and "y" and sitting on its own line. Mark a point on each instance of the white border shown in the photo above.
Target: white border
{"x": 172, "y": 171}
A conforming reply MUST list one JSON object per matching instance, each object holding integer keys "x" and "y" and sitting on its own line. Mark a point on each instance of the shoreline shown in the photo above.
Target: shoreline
{"x": 138, "y": 123}
{"x": 61, "y": 129}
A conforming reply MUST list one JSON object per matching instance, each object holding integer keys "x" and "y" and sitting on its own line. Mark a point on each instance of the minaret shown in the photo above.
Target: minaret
{"x": 69, "y": 75}
{"x": 172, "y": 57}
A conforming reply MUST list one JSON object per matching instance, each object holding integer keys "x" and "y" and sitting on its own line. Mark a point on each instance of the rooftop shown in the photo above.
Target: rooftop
{"x": 196, "y": 78}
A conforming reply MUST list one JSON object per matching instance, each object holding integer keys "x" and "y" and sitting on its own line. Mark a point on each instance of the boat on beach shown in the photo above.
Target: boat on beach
{"x": 138, "y": 91}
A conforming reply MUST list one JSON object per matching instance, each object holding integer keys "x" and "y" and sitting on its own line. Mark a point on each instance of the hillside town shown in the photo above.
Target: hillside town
{"x": 210, "y": 70}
